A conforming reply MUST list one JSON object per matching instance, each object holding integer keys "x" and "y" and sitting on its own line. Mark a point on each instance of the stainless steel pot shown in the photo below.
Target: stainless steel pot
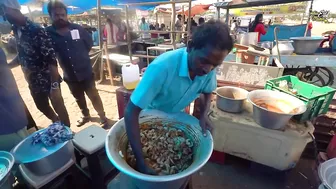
{"x": 248, "y": 38}
{"x": 231, "y": 99}
{"x": 40, "y": 159}
{"x": 285, "y": 48}
{"x": 116, "y": 144}
{"x": 306, "y": 45}
{"x": 287, "y": 105}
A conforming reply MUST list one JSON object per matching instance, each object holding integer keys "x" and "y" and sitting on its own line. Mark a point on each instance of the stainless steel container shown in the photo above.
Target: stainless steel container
{"x": 266, "y": 44}
{"x": 116, "y": 143}
{"x": 231, "y": 99}
{"x": 248, "y": 38}
{"x": 285, "y": 48}
{"x": 306, "y": 45}
{"x": 40, "y": 159}
{"x": 281, "y": 108}
{"x": 6, "y": 165}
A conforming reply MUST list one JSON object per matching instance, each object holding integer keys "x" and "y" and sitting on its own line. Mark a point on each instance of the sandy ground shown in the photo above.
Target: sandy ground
{"x": 106, "y": 91}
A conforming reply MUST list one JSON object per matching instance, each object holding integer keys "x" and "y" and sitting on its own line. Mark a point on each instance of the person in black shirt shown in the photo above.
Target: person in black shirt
{"x": 38, "y": 62}
{"x": 72, "y": 44}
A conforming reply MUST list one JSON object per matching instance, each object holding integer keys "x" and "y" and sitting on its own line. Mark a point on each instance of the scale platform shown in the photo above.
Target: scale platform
{"x": 240, "y": 135}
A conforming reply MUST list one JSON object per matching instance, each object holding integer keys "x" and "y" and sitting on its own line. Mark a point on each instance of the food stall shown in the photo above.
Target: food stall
{"x": 310, "y": 66}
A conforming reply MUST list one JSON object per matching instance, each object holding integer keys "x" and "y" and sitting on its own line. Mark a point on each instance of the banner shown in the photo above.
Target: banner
{"x": 277, "y": 9}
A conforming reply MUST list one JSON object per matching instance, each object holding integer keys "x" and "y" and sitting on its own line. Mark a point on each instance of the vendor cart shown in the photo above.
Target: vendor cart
{"x": 309, "y": 68}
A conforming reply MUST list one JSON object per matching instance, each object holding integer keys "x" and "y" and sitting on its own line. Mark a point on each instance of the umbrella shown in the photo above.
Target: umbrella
{"x": 197, "y": 10}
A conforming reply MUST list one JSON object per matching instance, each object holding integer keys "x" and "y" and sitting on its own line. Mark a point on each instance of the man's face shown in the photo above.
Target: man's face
{"x": 59, "y": 17}
{"x": 203, "y": 61}
{"x": 143, "y": 20}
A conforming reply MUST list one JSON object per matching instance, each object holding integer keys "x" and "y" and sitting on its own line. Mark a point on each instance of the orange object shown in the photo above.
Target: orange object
{"x": 240, "y": 47}
{"x": 243, "y": 57}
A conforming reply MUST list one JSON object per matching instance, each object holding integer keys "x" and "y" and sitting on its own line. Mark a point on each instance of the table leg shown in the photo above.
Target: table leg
{"x": 96, "y": 172}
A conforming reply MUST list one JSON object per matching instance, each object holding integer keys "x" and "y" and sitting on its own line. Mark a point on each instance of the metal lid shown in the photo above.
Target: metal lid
{"x": 26, "y": 152}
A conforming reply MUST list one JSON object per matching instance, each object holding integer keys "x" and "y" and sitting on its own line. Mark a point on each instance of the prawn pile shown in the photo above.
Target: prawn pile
{"x": 166, "y": 150}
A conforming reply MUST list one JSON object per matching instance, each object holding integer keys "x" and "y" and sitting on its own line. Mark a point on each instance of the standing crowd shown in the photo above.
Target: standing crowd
{"x": 40, "y": 50}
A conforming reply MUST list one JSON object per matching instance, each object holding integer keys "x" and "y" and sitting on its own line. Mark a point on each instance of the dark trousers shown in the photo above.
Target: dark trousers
{"x": 42, "y": 103}
{"x": 88, "y": 87}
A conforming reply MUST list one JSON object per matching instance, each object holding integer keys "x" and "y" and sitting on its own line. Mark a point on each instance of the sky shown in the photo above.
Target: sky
{"x": 318, "y": 5}
{"x": 324, "y": 4}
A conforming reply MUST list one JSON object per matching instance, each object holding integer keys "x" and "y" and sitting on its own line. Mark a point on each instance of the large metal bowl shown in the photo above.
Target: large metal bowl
{"x": 231, "y": 99}
{"x": 116, "y": 144}
{"x": 306, "y": 45}
{"x": 40, "y": 159}
{"x": 271, "y": 118}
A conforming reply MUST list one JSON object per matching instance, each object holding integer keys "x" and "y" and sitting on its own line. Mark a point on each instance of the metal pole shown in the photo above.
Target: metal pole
{"x": 227, "y": 15}
{"x": 172, "y": 25}
{"x": 101, "y": 69}
{"x": 129, "y": 40}
{"x": 99, "y": 24}
{"x": 309, "y": 17}
{"x": 189, "y": 21}
{"x": 218, "y": 13}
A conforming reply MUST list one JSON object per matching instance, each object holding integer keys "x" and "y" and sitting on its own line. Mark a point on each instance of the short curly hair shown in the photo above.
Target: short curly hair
{"x": 214, "y": 33}
{"x": 54, "y": 4}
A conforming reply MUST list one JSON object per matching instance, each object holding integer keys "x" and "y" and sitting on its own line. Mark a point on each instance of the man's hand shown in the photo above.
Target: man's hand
{"x": 55, "y": 91}
{"x": 206, "y": 124}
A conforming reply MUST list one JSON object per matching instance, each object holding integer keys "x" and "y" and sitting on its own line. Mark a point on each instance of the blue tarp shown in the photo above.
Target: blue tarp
{"x": 85, "y": 5}
{"x": 285, "y": 32}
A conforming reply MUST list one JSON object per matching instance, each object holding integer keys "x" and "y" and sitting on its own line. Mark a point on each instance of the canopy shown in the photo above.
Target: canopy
{"x": 231, "y": 4}
{"x": 292, "y": 8}
{"x": 80, "y": 6}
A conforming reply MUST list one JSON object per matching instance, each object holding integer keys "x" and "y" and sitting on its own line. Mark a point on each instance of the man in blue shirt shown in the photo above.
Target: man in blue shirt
{"x": 72, "y": 44}
{"x": 176, "y": 78}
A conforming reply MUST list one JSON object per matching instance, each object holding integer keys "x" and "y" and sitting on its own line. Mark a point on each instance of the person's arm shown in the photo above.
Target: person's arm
{"x": 149, "y": 87}
{"x": 14, "y": 62}
{"x": 206, "y": 102}
{"x": 48, "y": 52}
{"x": 85, "y": 35}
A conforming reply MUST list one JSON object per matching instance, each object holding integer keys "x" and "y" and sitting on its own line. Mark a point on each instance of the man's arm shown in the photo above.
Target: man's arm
{"x": 85, "y": 35}
{"x": 206, "y": 102}
{"x": 147, "y": 90}
{"x": 49, "y": 54}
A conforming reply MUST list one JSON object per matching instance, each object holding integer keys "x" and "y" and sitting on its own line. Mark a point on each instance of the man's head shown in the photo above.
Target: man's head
{"x": 179, "y": 17}
{"x": 210, "y": 44}
{"x": 143, "y": 20}
{"x": 201, "y": 21}
{"x": 58, "y": 13}
{"x": 10, "y": 10}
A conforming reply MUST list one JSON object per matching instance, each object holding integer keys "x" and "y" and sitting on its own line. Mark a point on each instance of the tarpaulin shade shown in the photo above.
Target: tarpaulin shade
{"x": 197, "y": 10}
{"x": 252, "y": 3}
{"x": 84, "y": 5}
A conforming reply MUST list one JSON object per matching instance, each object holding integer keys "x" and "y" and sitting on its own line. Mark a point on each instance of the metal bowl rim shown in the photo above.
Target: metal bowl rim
{"x": 231, "y": 87}
{"x": 153, "y": 178}
{"x": 30, "y": 137}
{"x": 285, "y": 114}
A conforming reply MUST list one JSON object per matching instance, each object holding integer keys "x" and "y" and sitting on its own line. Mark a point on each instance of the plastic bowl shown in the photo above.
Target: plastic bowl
{"x": 6, "y": 164}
